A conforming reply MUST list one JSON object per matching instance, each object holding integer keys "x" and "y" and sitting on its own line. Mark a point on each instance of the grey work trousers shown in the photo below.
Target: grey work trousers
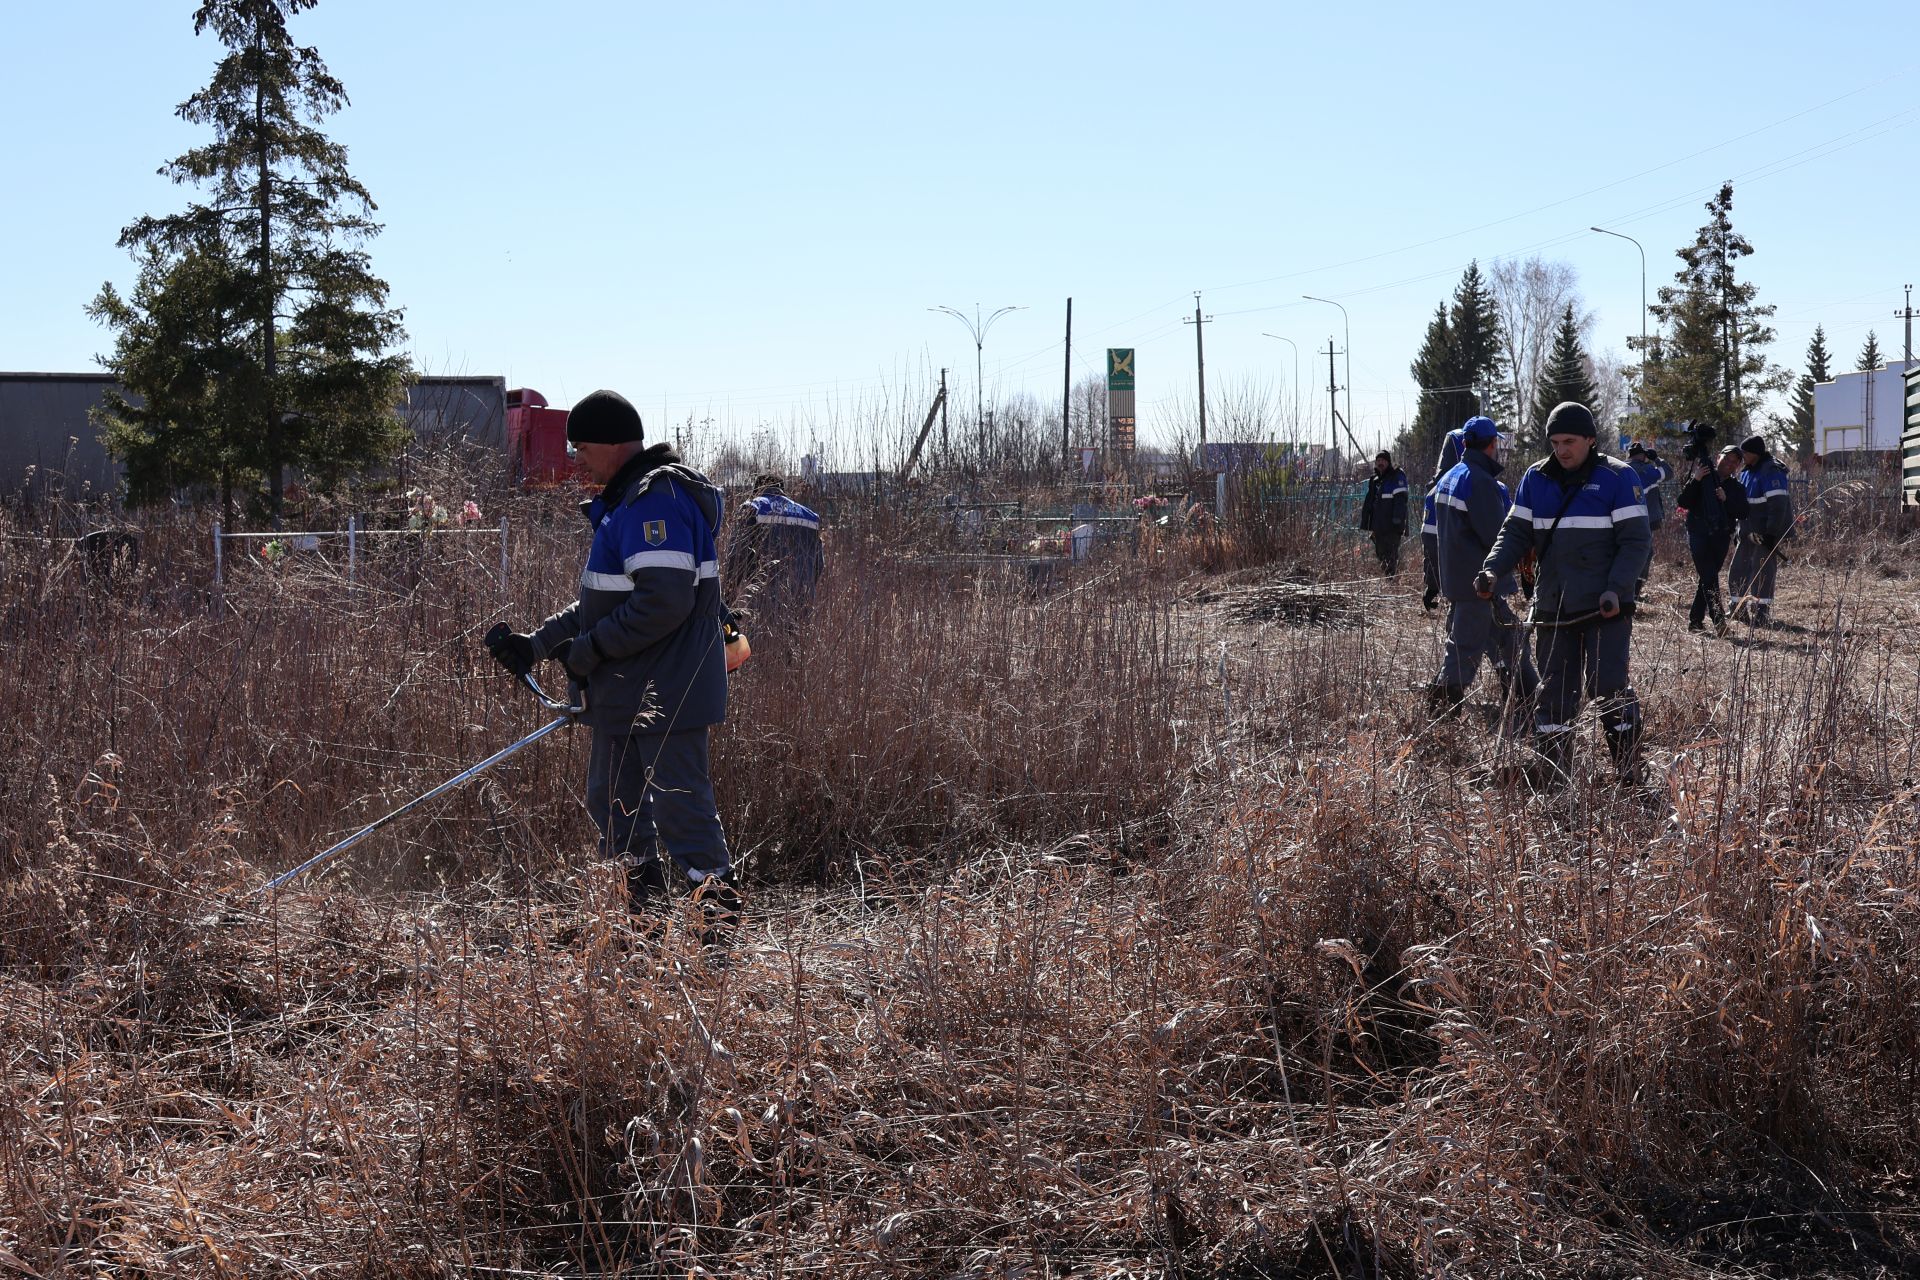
{"x": 1588, "y": 658}
{"x": 1752, "y": 577}
{"x": 649, "y": 790}
{"x": 1477, "y": 628}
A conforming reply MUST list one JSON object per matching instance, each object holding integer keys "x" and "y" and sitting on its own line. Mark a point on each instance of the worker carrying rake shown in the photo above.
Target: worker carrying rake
{"x": 645, "y": 642}
{"x": 1584, "y": 516}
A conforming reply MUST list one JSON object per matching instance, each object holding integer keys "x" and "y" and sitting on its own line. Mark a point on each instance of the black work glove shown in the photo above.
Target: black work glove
{"x": 582, "y": 657}
{"x": 512, "y": 649}
{"x": 1609, "y": 604}
{"x": 1431, "y": 600}
{"x": 1483, "y": 584}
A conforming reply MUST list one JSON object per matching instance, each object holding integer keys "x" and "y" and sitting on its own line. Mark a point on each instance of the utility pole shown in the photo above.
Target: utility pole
{"x": 1333, "y": 410}
{"x": 1066, "y": 393}
{"x": 1906, "y": 313}
{"x": 946, "y": 446}
{"x": 1346, "y": 330}
{"x": 1200, "y": 363}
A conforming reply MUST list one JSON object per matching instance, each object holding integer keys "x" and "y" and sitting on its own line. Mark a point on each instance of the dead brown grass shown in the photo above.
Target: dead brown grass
{"x": 1097, "y": 932}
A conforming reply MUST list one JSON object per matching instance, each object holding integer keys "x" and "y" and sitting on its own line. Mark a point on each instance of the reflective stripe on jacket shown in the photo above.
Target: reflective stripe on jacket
{"x": 1600, "y": 538}
{"x": 1769, "y": 500}
{"x": 1469, "y": 504}
{"x": 649, "y": 601}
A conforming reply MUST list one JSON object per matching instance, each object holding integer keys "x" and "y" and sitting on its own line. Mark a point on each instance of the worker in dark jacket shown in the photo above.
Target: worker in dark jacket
{"x": 1714, "y": 501}
{"x": 1583, "y": 516}
{"x": 1469, "y": 505}
{"x": 1769, "y": 519}
{"x": 644, "y": 641}
{"x": 1383, "y": 512}
{"x": 1450, "y": 450}
{"x": 1648, "y": 470}
{"x": 774, "y": 555}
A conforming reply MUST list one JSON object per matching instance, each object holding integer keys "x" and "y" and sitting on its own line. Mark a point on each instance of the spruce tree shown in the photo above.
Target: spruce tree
{"x": 1429, "y": 370}
{"x": 1460, "y": 366}
{"x": 1870, "y": 354}
{"x": 303, "y": 340}
{"x": 1800, "y": 429}
{"x": 1710, "y": 365}
{"x": 1567, "y": 375}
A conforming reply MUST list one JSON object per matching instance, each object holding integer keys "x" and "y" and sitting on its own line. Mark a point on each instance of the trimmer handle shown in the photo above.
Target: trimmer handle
{"x": 500, "y": 631}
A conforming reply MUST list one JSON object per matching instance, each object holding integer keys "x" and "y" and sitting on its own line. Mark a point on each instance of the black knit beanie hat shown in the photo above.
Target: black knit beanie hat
{"x": 1754, "y": 445}
{"x": 604, "y": 417}
{"x": 1571, "y": 418}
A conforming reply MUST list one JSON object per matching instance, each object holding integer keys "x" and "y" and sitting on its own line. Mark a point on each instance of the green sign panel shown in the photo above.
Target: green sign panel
{"x": 1120, "y": 434}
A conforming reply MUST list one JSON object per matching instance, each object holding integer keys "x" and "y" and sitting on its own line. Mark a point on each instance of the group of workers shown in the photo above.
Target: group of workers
{"x": 1576, "y": 535}
{"x": 643, "y": 644}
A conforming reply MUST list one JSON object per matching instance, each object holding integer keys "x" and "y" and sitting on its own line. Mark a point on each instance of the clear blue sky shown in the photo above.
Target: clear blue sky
{"x": 744, "y": 211}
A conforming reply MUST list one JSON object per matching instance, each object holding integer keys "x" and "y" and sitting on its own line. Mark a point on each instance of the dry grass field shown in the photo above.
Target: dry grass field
{"x": 1140, "y": 925}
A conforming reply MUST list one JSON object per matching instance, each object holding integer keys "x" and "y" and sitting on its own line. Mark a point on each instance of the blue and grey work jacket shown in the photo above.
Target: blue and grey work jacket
{"x": 1651, "y": 474}
{"x": 1589, "y": 528}
{"x": 649, "y": 606}
{"x": 1384, "y": 509}
{"x": 774, "y": 556}
{"x": 1469, "y": 504}
{"x": 1430, "y": 543}
{"x": 1769, "y": 500}
{"x": 1451, "y": 449}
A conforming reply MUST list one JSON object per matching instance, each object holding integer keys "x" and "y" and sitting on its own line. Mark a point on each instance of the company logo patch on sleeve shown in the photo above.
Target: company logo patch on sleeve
{"x": 654, "y": 531}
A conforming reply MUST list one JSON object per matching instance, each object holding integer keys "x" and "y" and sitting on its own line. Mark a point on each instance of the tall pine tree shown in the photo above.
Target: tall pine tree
{"x": 1710, "y": 365}
{"x": 1800, "y": 429}
{"x": 300, "y": 357}
{"x": 1870, "y": 354}
{"x": 1567, "y": 375}
{"x": 1460, "y": 367}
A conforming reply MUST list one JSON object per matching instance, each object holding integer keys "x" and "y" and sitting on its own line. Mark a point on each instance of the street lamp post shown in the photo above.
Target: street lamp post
{"x": 978, "y": 328}
{"x": 1645, "y": 353}
{"x": 1295, "y": 425}
{"x": 1346, "y": 329}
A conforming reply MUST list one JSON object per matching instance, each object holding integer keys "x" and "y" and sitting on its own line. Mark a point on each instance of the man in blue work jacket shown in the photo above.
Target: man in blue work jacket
{"x": 1383, "y": 511}
{"x": 1469, "y": 504}
{"x": 644, "y": 640}
{"x": 774, "y": 556}
{"x": 1583, "y": 516}
{"x": 1769, "y": 519}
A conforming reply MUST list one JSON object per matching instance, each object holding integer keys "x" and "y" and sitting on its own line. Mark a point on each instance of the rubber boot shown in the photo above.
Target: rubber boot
{"x": 1718, "y": 614}
{"x": 720, "y": 906}
{"x": 1623, "y": 743}
{"x": 646, "y": 887}
{"x": 1553, "y": 758}
{"x": 1445, "y": 700}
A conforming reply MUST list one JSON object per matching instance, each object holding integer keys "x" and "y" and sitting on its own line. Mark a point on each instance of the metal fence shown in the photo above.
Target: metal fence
{"x": 299, "y": 540}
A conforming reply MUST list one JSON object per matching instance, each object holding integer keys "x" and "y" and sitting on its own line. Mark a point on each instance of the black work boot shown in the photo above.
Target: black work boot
{"x": 1445, "y": 700}
{"x": 1623, "y": 743}
{"x": 720, "y": 906}
{"x": 1553, "y": 758}
{"x": 646, "y": 887}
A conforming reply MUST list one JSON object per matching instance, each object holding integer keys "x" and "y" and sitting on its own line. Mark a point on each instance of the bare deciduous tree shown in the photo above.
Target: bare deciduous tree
{"x": 1530, "y": 296}
{"x": 1608, "y": 369}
